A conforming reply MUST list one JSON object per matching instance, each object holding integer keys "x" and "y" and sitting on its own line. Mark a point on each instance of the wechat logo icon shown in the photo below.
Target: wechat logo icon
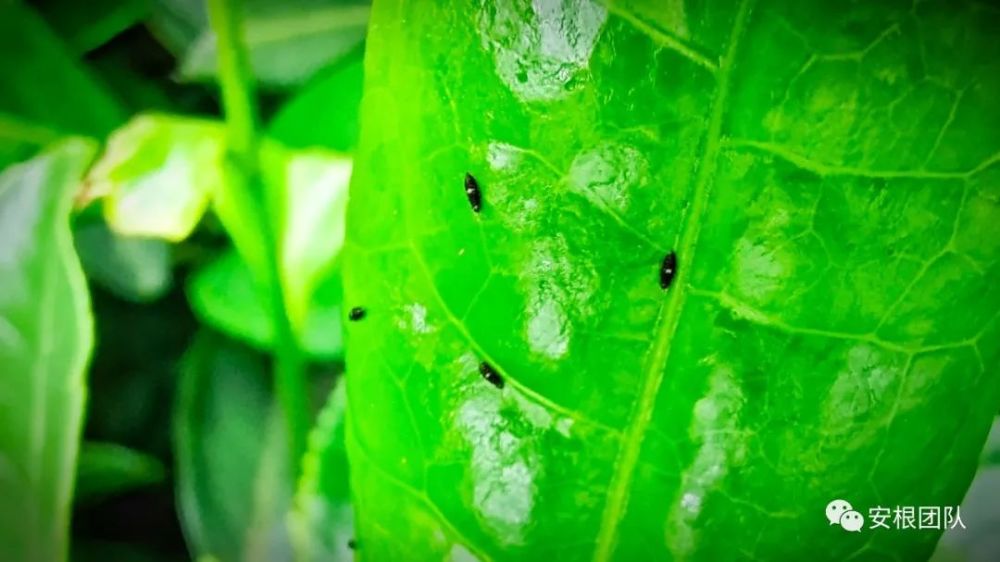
{"x": 840, "y": 512}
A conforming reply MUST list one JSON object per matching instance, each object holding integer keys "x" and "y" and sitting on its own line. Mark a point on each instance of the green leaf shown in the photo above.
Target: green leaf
{"x": 106, "y": 469}
{"x": 177, "y": 23}
{"x": 44, "y": 84}
{"x": 233, "y": 486}
{"x": 306, "y": 193}
{"x": 45, "y": 342}
{"x": 224, "y": 295}
{"x": 322, "y": 523}
{"x": 88, "y": 25}
{"x": 325, "y": 111}
{"x": 158, "y": 175}
{"x": 135, "y": 269}
{"x": 289, "y": 41}
{"x": 827, "y": 175}
{"x": 314, "y": 184}
{"x": 20, "y": 140}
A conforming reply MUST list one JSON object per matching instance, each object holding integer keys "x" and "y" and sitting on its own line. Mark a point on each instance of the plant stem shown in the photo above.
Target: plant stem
{"x": 238, "y": 98}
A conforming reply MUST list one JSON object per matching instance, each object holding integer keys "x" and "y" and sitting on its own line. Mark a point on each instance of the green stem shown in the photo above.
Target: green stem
{"x": 238, "y": 98}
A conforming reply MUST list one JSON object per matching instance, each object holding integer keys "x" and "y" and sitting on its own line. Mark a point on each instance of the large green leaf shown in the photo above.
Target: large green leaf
{"x": 322, "y": 524}
{"x": 45, "y": 342}
{"x": 828, "y": 175}
{"x": 233, "y": 485}
{"x": 43, "y": 83}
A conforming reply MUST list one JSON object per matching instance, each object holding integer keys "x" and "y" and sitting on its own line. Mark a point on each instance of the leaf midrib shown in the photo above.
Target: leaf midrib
{"x": 652, "y": 378}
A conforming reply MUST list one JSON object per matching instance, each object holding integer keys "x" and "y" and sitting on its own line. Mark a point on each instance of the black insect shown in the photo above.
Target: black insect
{"x": 668, "y": 269}
{"x": 357, "y": 313}
{"x": 490, "y": 375}
{"x": 473, "y": 193}
{"x": 352, "y": 544}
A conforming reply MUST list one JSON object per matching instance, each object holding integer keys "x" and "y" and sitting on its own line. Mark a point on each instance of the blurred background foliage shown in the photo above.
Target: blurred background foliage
{"x": 183, "y": 452}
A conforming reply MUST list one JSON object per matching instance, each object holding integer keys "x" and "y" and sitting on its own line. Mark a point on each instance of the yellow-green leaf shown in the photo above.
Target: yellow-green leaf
{"x": 158, "y": 174}
{"x": 314, "y": 184}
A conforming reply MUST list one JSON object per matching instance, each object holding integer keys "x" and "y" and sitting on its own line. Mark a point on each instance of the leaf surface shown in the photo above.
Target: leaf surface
{"x": 829, "y": 178}
{"x": 46, "y": 336}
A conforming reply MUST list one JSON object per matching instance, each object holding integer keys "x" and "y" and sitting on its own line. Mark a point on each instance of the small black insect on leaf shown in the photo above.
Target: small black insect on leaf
{"x": 352, "y": 544}
{"x": 668, "y": 269}
{"x": 473, "y": 193}
{"x": 490, "y": 374}
{"x": 357, "y": 313}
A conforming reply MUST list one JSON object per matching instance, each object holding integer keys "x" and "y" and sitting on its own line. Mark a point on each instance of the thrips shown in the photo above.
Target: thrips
{"x": 668, "y": 269}
{"x": 490, "y": 374}
{"x": 473, "y": 193}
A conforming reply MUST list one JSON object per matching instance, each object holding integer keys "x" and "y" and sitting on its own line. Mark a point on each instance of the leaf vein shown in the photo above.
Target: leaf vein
{"x": 662, "y": 37}
{"x": 419, "y": 495}
{"x": 483, "y": 355}
{"x": 628, "y": 457}
{"x": 825, "y": 169}
{"x": 747, "y": 312}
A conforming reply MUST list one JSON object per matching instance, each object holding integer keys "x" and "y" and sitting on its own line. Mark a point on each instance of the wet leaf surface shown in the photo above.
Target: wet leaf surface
{"x": 830, "y": 181}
